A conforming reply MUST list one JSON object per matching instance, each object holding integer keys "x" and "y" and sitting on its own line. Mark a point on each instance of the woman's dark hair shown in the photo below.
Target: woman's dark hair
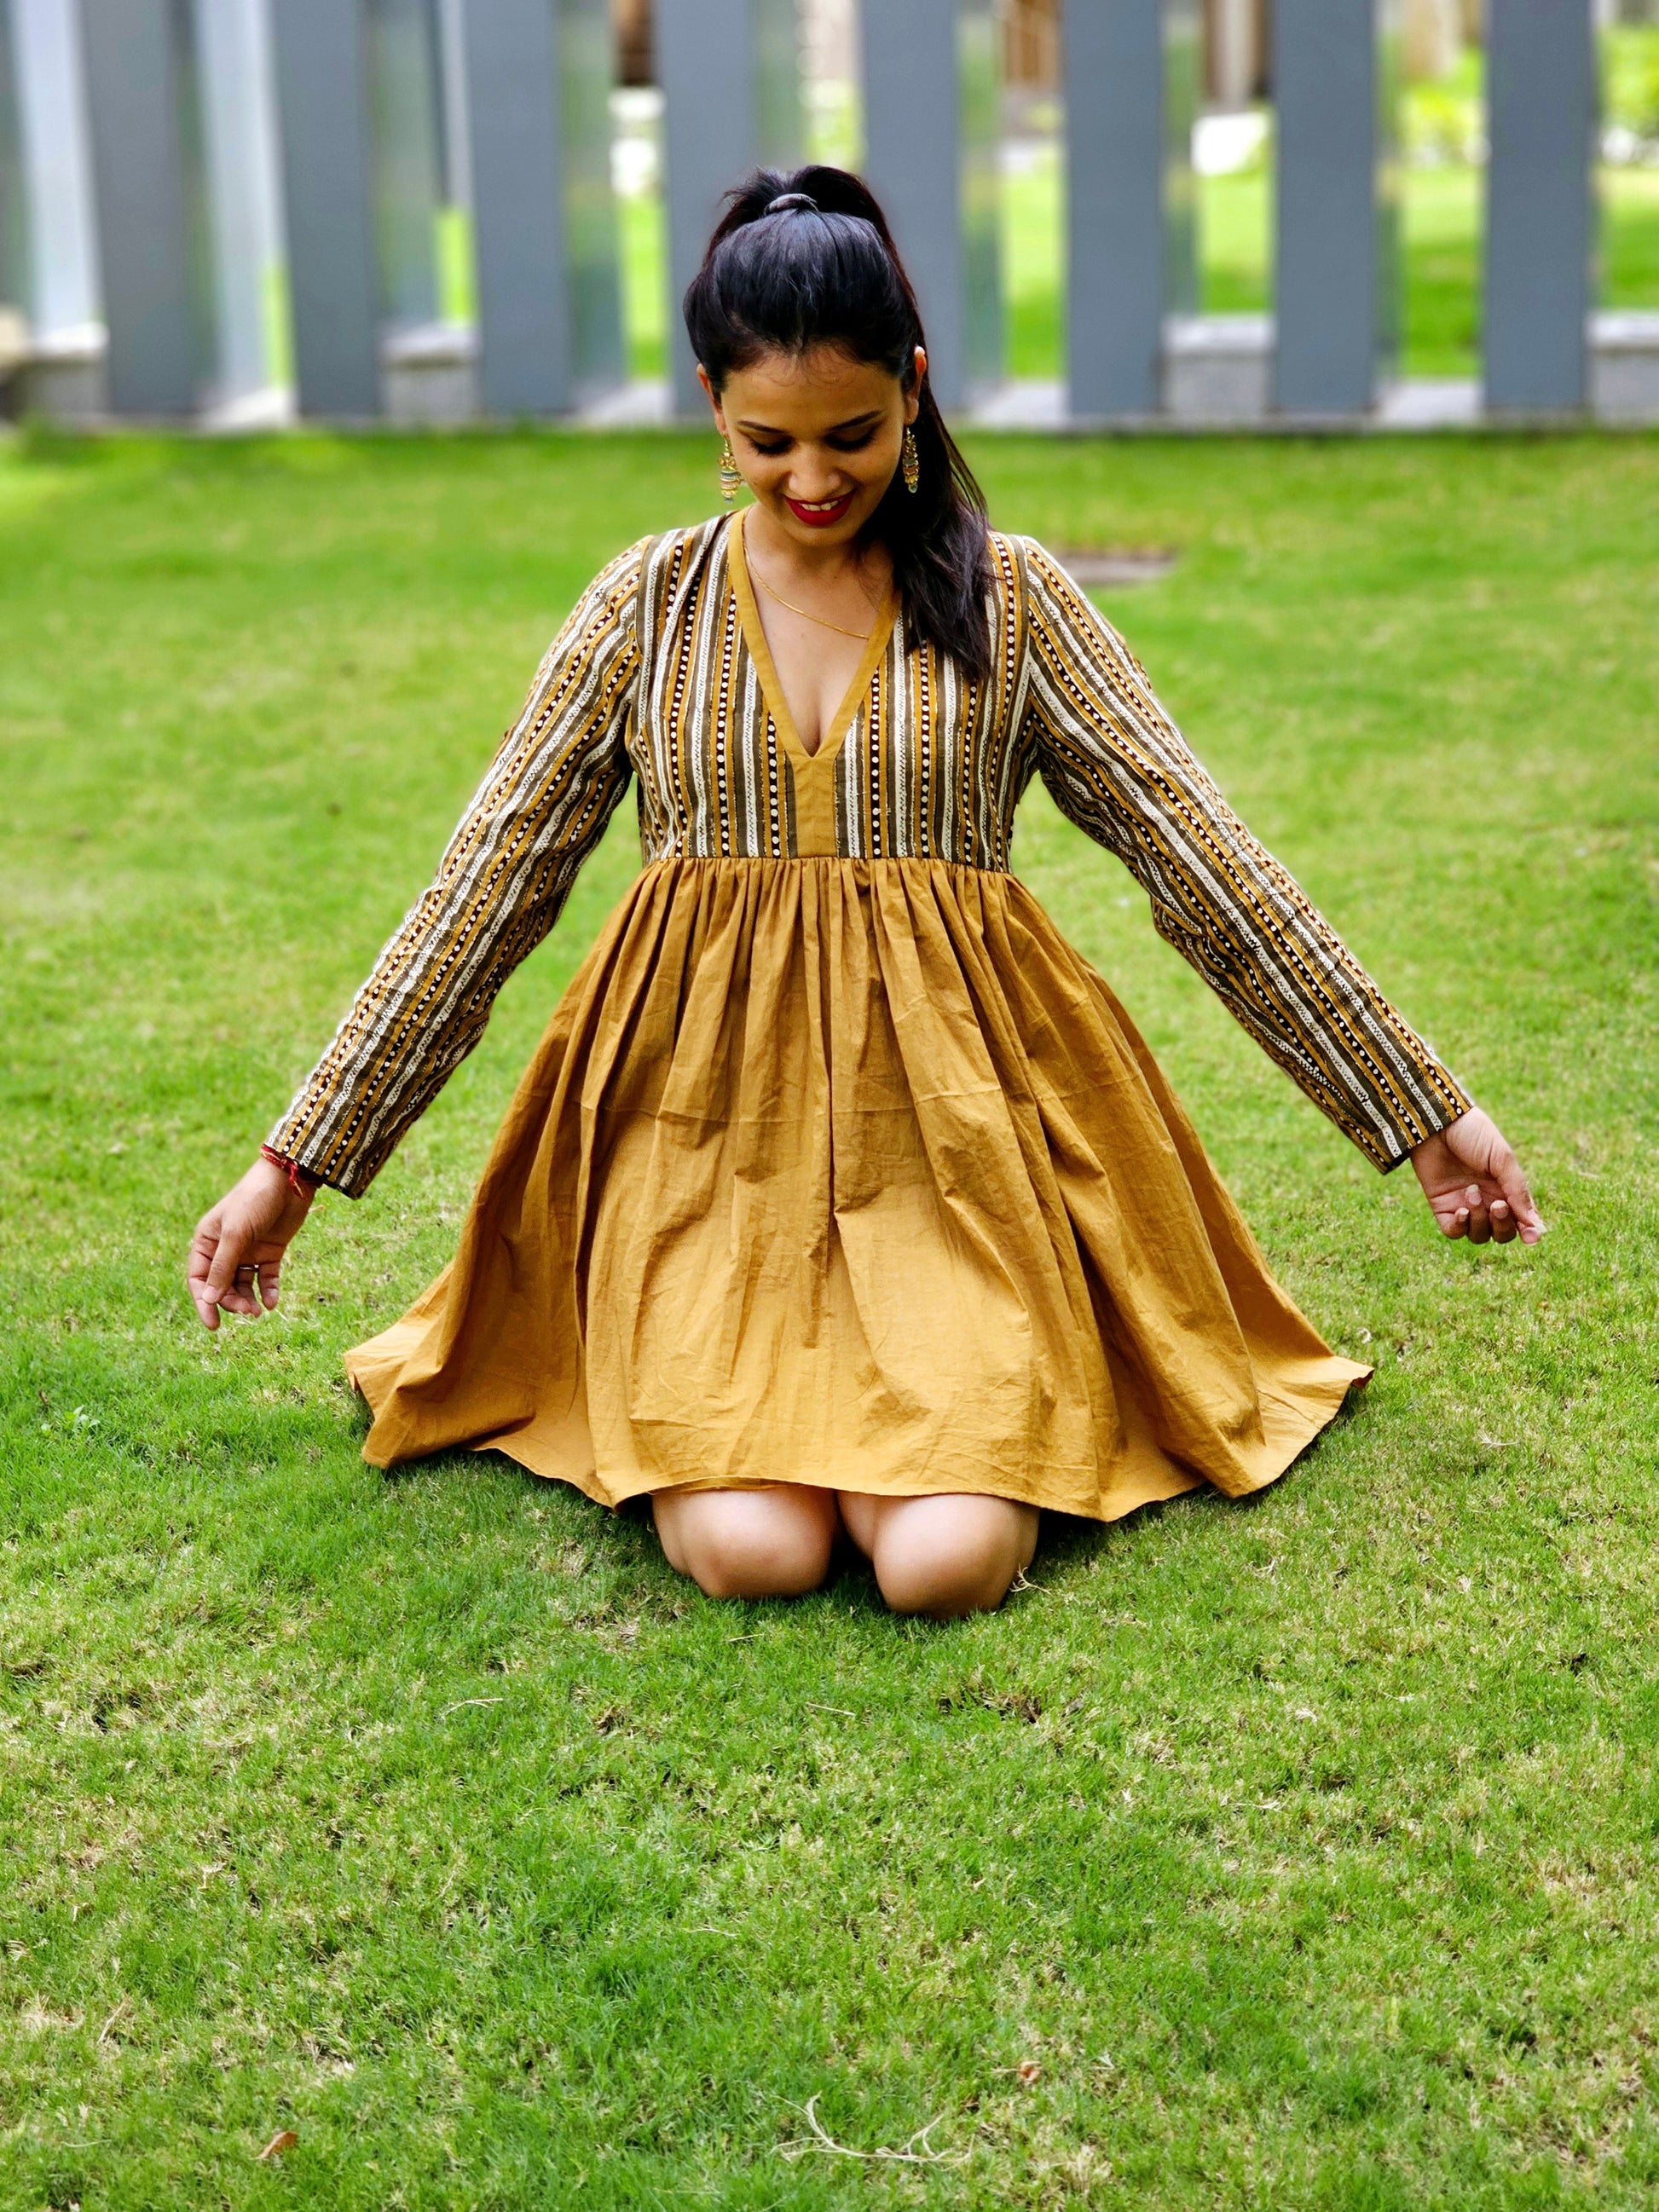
{"x": 807, "y": 260}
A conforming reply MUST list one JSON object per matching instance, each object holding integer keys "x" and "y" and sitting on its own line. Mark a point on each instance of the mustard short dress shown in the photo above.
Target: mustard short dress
{"x": 836, "y": 1165}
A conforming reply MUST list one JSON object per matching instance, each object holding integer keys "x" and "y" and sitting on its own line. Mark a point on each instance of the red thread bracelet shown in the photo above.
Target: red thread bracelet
{"x": 300, "y": 1182}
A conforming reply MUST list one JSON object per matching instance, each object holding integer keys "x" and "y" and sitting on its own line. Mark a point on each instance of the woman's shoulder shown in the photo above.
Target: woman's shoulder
{"x": 1040, "y": 594}
{"x": 1026, "y": 562}
{"x": 1025, "y": 580}
{"x": 672, "y": 559}
{"x": 1038, "y": 582}
{"x": 663, "y": 555}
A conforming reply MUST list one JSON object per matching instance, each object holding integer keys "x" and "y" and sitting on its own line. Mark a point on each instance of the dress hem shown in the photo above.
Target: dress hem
{"x": 1300, "y": 1427}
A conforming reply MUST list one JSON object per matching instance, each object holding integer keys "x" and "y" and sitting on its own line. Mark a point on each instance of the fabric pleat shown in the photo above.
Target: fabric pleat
{"x": 852, "y": 1172}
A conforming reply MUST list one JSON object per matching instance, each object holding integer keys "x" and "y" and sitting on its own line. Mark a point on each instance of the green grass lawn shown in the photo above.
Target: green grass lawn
{"x": 1306, "y": 1849}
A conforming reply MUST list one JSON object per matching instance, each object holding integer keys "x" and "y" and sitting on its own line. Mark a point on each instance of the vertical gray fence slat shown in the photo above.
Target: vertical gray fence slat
{"x": 979, "y": 92}
{"x": 779, "y": 112}
{"x": 407, "y": 157}
{"x": 138, "y": 182}
{"x": 931, "y": 92}
{"x": 456, "y": 132}
{"x": 14, "y": 205}
{"x": 322, "y": 122}
{"x": 706, "y": 66}
{"x": 512, "y": 130}
{"x": 587, "y": 68}
{"x": 63, "y": 258}
{"x": 235, "y": 82}
{"x": 1182, "y": 87}
{"x": 1389, "y": 231}
{"x": 1116, "y": 244}
{"x": 1542, "y": 107}
{"x": 1332, "y": 262}
{"x": 1132, "y": 69}
{"x": 911, "y": 161}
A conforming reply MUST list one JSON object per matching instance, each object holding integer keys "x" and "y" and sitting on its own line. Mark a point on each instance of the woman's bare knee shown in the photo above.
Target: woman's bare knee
{"x": 950, "y": 1556}
{"x": 749, "y": 1543}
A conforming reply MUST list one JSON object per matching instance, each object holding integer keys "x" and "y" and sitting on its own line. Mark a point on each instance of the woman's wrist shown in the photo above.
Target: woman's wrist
{"x": 301, "y": 1183}
{"x": 1439, "y": 1135}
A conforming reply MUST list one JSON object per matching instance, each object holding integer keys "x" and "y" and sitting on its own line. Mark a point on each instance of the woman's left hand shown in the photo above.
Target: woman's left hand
{"x": 1473, "y": 1183}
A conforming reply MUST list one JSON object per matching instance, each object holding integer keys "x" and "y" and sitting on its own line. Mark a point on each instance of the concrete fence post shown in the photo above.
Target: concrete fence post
{"x": 932, "y": 123}
{"x": 133, "y": 93}
{"x": 1131, "y": 78}
{"x": 1337, "y": 271}
{"x": 1540, "y": 233}
{"x": 322, "y": 107}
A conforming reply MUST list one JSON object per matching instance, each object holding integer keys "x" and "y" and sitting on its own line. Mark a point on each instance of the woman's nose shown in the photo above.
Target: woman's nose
{"x": 816, "y": 476}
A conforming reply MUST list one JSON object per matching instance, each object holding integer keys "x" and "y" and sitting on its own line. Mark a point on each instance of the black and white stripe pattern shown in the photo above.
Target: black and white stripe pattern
{"x": 654, "y": 674}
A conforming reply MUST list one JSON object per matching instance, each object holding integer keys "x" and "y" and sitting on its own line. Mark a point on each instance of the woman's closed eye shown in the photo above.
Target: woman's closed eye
{"x": 855, "y": 442}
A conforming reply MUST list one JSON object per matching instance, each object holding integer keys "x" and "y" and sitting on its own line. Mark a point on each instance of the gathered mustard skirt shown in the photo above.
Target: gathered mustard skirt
{"x": 852, "y": 1172}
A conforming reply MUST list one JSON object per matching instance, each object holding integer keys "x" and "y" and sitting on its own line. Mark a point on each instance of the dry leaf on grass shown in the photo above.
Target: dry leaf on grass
{"x": 284, "y": 2139}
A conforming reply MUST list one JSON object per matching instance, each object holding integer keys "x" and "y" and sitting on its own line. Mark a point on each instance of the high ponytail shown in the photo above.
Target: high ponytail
{"x": 806, "y": 260}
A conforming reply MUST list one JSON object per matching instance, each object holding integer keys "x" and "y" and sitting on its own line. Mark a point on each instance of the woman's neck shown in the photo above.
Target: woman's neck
{"x": 868, "y": 564}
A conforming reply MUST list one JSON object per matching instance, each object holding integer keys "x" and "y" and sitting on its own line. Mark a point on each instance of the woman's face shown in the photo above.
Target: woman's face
{"x": 817, "y": 438}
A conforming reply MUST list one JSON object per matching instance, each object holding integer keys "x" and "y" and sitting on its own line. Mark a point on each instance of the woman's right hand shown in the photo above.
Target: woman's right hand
{"x": 238, "y": 1244}
{"x": 1473, "y": 1183}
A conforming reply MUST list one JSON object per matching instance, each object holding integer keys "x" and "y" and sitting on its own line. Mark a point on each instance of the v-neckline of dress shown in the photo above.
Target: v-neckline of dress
{"x": 754, "y": 631}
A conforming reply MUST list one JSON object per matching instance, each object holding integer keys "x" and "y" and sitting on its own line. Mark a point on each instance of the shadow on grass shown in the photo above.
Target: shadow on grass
{"x": 623, "y": 1539}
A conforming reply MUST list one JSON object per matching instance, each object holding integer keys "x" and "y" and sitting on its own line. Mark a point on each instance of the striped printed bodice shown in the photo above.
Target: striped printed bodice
{"x": 662, "y": 676}
{"x": 918, "y": 764}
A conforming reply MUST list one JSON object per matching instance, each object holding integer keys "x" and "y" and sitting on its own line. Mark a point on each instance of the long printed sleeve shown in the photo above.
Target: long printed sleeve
{"x": 540, "y": 810}
{"x": 1119, "y": 768}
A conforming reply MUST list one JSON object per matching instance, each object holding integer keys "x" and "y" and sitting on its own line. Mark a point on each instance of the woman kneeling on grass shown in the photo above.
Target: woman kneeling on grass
{"x": 841, "y": 1195}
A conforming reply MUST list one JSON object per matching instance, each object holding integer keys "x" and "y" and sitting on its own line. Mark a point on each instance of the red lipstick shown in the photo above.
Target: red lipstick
{"x": 820, "y": 518}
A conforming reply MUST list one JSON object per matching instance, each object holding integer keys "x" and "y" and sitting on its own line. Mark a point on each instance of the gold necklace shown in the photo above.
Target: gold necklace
{"x": 806, "y": 613}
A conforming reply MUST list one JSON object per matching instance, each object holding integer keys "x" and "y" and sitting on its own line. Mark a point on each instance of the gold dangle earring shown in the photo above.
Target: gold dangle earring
{"x": 910, "y": 460}
{"x": 731, "y": 476}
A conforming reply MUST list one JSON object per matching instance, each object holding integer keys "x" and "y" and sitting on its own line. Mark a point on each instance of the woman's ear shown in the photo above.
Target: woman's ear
{"x": 713, "y": 398}
{"x": 913, "y": 397}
